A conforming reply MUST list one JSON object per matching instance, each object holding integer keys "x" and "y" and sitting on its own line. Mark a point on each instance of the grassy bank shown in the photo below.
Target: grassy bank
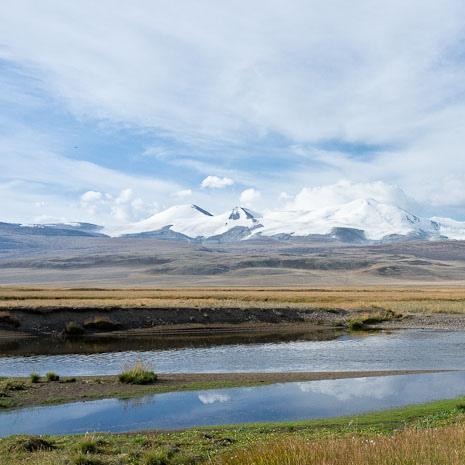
{"x": 408, "y": 299}
{"x": 27, "y": 392}
{"x": 425, "y": 434}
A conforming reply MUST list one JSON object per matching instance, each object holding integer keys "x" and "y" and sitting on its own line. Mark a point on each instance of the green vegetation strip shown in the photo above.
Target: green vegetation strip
{"x": 202, "y": 445}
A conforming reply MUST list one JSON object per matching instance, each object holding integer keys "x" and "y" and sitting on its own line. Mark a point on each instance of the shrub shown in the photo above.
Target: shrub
{"x": 73, "y": 329}
{"x": 34, "y": 377}
{"x": 138, "y": 374}
{"x": 69, "y": 380}
{"x": 51, "y": 376}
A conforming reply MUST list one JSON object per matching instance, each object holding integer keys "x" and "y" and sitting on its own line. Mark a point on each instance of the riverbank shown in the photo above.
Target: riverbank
{"x": 442, "y": 420}
{"x": 88, "y": 312}
{"x": 24, "y": 393}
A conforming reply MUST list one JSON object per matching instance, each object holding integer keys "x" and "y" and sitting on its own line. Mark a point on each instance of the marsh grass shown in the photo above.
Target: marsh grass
{"x": 138, "y": 373}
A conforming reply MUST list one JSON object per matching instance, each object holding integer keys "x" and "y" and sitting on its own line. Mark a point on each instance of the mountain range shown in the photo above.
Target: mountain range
{"x": 360, "y": 220}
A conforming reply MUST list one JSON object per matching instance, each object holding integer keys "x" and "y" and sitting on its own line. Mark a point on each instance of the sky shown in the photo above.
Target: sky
{"x": 113, "y": 110}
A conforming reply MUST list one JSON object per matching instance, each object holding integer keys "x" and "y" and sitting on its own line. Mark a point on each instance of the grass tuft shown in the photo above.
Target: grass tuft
{"x": 34, "y": 377}
{"x": 73, "y": 329}
{"x": 138, "y": 374}
{"x": 51, "y": 376}
{"x": 158, "y": 457}
{"x": 32, "y": 444}
{"x": 86, "y": 460}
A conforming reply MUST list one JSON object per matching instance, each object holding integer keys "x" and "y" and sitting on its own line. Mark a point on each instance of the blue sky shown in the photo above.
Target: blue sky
{"x": 138, "y": 103}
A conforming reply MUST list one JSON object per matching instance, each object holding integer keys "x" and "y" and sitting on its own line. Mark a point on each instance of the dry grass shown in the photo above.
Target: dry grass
{"x": 443, "y": 446}
{"x": 399, "y": 300}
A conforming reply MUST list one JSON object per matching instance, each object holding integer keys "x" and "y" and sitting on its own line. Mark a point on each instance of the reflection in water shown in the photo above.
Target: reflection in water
{"x": 11, "y": 346}
{"x": 278, "y": 402}
{"x": 411, "y": 349}
{"x": 213, "y": 397}
{"x": 377, "y": 388}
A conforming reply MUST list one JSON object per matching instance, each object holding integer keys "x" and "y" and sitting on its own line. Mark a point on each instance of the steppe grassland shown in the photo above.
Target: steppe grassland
{"x": 443, "y": 446}
{"x": 399, "y": 300}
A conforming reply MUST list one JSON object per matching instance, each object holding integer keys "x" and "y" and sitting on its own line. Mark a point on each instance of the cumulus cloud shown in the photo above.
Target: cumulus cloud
{"x": 215, "y": 182}
{"x": 342, "y": 192}
{"x": 249, "y": 196}
{"x": 122, "y": 208}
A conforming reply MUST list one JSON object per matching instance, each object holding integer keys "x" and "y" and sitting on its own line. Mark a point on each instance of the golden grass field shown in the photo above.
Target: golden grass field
{"x": 436, "y": 446}
{"x": 400, "y": 300}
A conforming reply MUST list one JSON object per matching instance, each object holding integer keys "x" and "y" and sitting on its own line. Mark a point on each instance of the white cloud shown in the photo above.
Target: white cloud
{"x": 207, "y": 71}
{"x": 215, "y": 182}
{"x": 310, "y": 198}
{"x": 389, "y": 75}
{"x": 122, "y": 208}
{"x": 183, "y": 194}
{"x": 36, "y": 182}
{"x": 213, "y": 398}
{"x": 249, "y": 196}
{"x": 375, "y": 388}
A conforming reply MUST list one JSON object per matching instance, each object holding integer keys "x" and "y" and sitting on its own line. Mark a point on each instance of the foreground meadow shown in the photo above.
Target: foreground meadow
{"x": 428, "y": 434}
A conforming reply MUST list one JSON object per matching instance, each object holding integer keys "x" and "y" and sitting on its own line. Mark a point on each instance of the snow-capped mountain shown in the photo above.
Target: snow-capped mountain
{"x": 377, "y": 220}
{"x": 194, "y": 222}
{"x": 373, "y": 220}
{"x": 451, "y": 229}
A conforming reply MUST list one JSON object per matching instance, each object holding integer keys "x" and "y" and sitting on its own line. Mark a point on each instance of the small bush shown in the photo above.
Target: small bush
{"x": 73, "y": 329}
{"x": 51, "y": 376}
{"x": 34, "y": 377}
{"x": 138, "y": 374}
{"x": 68, "y": 380}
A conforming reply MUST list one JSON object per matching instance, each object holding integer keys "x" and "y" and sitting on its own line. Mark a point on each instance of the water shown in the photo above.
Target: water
{"x": 409, "y": 349}
{"x": 278, "y": 402}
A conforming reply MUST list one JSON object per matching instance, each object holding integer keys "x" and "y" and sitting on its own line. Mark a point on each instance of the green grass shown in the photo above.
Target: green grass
{"x": 138, "y": 374}
{"x": 195, "y": 446}
{"x": 51, "y": 376}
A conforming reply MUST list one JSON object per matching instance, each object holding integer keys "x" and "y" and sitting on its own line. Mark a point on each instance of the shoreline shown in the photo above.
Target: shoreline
{"x": 86, "y": 388}
{"x": 200, "y": 445}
